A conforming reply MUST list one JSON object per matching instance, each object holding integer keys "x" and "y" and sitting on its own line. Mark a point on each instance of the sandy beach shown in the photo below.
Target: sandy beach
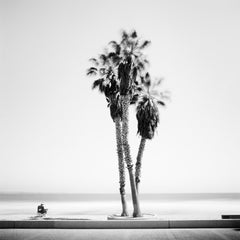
{"x": 109, "y": 234}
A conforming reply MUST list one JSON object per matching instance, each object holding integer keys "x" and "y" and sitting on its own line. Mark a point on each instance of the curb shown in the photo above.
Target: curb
{"x": 128, "y": 224}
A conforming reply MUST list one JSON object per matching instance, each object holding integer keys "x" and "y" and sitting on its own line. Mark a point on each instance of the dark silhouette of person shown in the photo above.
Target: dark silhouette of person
{"x": 41, "y": 209}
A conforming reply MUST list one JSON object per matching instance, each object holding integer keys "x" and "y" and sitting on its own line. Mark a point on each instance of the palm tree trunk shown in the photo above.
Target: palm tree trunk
{"x": 139, "y": 162}
{"x": 126, "y": 148}
{"x": 121, "y": 166}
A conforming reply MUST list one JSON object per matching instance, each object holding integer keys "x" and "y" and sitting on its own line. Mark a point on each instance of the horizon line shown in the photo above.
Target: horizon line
{"x": 112, "y": 193}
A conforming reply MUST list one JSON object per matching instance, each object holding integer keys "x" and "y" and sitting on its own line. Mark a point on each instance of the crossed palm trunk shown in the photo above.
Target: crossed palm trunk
{"x": 126, "y": 148}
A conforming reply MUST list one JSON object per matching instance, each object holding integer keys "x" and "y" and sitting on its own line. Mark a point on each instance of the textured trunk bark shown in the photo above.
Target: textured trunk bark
{"x": 139, "y": 162}
{"x": 126, "y": 148}
{"x": 121, "y": 166}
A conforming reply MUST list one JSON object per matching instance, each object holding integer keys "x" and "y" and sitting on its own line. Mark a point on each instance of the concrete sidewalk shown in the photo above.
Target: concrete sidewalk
{"x": 121, "y": 234}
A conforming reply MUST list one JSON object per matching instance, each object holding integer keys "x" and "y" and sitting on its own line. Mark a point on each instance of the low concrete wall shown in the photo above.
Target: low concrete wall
{"x": 231, "y": 216}
{"x": 204, "y": 224}
{"x": 7, "y": 224}
{"x": 113, "y": 224}
{"x": 34, "y": 224}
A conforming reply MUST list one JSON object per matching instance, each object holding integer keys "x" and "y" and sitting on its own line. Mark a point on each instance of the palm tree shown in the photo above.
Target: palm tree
{"x": 109, "y": 86}
{"x": 130, "y": 62}
{"x": 124, "y": 72}
{"x": 148, "y": 117}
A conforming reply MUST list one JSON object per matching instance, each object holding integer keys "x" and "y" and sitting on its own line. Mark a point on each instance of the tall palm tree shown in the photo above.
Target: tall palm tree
{"x": 124, "y": 72}
{"x": 109, "y": 86}
{"x": 132, "y": 64}
{"x": 127, "y": 57}
{"x": 148, "y": 117}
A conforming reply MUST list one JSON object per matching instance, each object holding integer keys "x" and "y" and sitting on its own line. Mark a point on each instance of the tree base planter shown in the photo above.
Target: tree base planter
{"x": 145, "y": 216}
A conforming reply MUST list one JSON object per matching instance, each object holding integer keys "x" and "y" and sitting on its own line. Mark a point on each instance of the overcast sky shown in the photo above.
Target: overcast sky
{"x": 56, "y": 134}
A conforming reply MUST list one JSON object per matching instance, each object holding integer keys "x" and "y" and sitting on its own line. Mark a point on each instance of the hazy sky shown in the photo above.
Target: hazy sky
{"x": 56, "y": 134}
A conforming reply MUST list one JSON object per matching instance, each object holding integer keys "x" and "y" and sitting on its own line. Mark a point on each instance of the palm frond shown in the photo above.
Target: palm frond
{"x": 146, "y": 61}
{"x": 99, "y": 83}
{"x": 141, "y": 66}
{"x": 103, "y": 59}
{"x": 161, "y": 103}
{"x": 116, "y": 47}
{"x": 147, "y": 80}
{"x": 114, "y": 57}
{"x": 134, "y": 34}
{"x": 92, "y": 71}
{"x": 124, "y": 35}
{"x": 113, "y": 43}
{"x": 145, "y": 44}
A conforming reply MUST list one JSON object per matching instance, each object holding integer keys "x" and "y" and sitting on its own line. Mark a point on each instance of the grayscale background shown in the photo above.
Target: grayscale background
{"x": 56, "y": 134}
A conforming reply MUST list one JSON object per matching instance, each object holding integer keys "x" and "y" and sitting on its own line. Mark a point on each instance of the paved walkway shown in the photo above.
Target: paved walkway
{"x": 128, "y": 234}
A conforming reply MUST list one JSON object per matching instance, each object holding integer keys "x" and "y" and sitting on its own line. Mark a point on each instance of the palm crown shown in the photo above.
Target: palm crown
{"x": 119, "y": 70}
{"x": 107, "y": 82}
{"x": 147, "y": 107}
{"x": 133, "y": 62}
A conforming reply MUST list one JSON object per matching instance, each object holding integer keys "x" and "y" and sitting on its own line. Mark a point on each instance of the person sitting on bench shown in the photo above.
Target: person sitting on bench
{"x": 41, "y": 209}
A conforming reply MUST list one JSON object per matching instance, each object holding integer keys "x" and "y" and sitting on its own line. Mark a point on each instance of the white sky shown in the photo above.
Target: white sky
{"x": 56, "y": 134}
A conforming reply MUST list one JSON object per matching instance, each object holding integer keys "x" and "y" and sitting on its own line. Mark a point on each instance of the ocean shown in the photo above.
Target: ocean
{"x": 98, "y": 206}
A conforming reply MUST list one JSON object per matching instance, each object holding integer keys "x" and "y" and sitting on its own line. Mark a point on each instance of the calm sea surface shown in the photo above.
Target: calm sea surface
{"x": 99, "y": 206}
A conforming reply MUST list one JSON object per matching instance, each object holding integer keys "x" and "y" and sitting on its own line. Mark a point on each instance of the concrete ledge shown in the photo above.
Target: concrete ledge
{"x": 7, "y": 224}
{"x": 231, "y": 216}
{"x": 33, "y": 224}
{"x": 128, "y": 224}
{"x": 111, "y": 224}
{"x": 204, "y": 224}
